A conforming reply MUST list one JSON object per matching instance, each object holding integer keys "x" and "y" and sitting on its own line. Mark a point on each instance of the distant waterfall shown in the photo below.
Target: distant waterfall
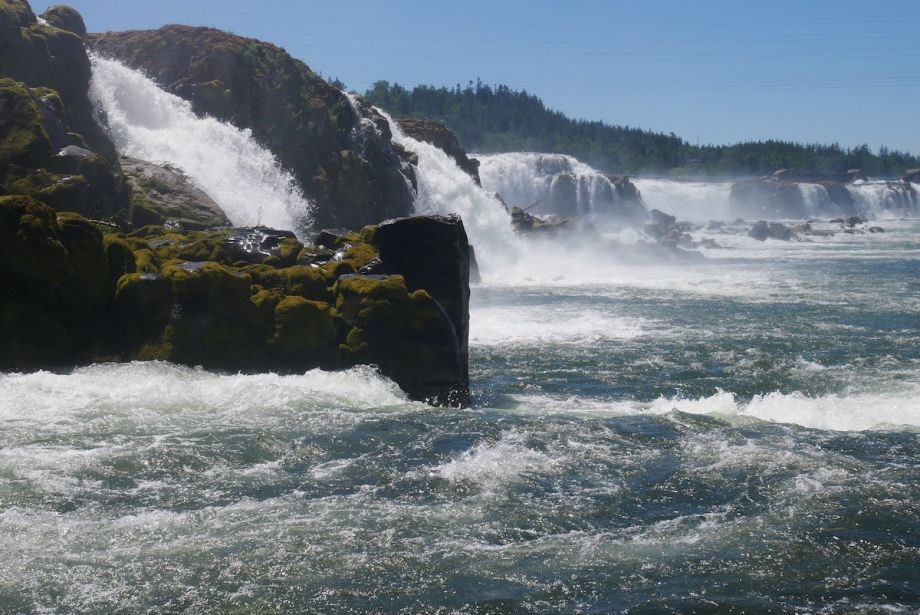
{"x": 244, "y": 178}
{"x": 550, "y": 183}
{"x": 688, "y": 200}
{"x": 882, "y": 198}
{"x": 816, "y": 201}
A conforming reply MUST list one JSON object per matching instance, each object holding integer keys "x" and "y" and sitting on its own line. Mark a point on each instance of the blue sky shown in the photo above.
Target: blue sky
{"x": 713, "y": 71}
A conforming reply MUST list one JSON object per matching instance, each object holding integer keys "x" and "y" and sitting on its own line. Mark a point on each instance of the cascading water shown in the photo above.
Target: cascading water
{"x": 816, "y": 201}
{"x": 443, "y": 188}
{"x": 885, "y": 199}
{"x": 550, "y": 184}
{"x": 244, "y": 178}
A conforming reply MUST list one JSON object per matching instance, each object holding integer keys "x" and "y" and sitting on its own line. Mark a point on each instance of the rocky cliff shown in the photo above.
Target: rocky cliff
{"x": 342, "y": 156}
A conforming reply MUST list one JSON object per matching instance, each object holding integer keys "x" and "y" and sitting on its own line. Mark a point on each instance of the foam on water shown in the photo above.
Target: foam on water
{"x": 498, "y": 326}
{"x": 897, "y": 407}
{"x": 148, "y": 395}
{"x": 244, "y": 178}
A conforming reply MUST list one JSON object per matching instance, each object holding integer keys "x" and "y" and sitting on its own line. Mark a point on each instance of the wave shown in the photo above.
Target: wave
{"x": 896, "y": 406}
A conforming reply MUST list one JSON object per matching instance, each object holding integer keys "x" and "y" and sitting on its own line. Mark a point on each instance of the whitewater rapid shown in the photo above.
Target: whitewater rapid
{"x": 244, "y": 178}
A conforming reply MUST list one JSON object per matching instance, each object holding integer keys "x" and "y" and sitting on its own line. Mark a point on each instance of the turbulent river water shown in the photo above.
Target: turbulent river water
{"x": 739, "y": 432}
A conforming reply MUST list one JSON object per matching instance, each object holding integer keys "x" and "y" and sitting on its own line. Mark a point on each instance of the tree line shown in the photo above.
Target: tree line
{"x": 499, "y": 119}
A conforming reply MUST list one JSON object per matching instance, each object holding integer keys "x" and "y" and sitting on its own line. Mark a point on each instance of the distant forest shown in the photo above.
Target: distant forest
{"x": 499, "y": 119}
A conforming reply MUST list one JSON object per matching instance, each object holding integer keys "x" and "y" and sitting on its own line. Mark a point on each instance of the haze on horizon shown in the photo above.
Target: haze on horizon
{"x": 708, "y": 71}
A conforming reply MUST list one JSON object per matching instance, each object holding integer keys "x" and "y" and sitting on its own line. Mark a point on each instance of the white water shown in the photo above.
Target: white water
{"x": 691, "y": 201}
{"x": 443, "y": 188}
{"x": 526, "y": 178}
{"x": 883, "y": 199}
{"x": 896, "y": 408}
{"x": 227, "y": 163}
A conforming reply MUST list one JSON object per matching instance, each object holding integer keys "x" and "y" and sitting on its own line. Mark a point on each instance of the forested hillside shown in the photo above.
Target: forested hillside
{"x": 499, "y": 119}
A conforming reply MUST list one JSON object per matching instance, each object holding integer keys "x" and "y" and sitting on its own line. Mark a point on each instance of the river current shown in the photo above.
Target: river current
{"x": 740, "y": 432}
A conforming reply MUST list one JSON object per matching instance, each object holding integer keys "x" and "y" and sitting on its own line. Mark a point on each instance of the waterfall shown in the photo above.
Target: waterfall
{"x": 692, "y": 201}
{"x": 816, "y": 201}
{"x": 443, "y": 188}
{"x": 883, "y": 198}
{"x": 244, "y": 178}
{"x": 556, "y": 183}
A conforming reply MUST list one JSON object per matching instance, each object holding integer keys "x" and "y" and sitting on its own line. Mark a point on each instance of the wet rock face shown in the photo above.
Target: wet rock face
{"x": 161, "y": 193}
{"x": 443, "y": 138}
{"x": 348, "y": 167}
{"x": 45, "y": 56}
{"x": 432, "y": 253}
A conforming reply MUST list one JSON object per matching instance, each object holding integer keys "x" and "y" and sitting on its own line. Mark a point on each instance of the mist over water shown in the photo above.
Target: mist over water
{"x": 227, "y": 163}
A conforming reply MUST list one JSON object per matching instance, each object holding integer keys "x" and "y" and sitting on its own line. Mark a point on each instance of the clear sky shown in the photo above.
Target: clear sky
{"x": 715, "y": 71}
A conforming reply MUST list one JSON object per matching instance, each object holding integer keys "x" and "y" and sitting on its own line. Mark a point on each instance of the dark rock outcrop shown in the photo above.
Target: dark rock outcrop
{"x": 529, "y": 224}
{"x": 341, "y": 154}
{"x": 912, "y": 176}
{"x": 763, "y": 230}
{"x": 50, "y": 146}
{"x": 65, "y": 18}
{"x": 433, "y": 253}
{"x": 443, "y": 138}
{"x": 160, "y": 193}
{"x": 239, "y": 300}
{"x": 47, "y": 57}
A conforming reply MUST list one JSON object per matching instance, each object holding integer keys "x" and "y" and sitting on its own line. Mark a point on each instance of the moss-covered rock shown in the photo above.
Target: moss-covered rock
{"x": 305, "y": 333}
{"x": 408, "y": 335}
{"x": 74, "y": 295}
{"x": 41, "y": 55}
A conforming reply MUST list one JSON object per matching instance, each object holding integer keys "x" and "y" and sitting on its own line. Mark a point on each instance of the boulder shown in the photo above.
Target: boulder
{"x": 443, "y": 138}
{"x": 762, "y": 231}
{"x": 65, "y": 18}
{"x": 432, "y": 253}
{"x": 912, "y": 176}
{"x": 160, "y": 193}
{"x": 74, "y": 295}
